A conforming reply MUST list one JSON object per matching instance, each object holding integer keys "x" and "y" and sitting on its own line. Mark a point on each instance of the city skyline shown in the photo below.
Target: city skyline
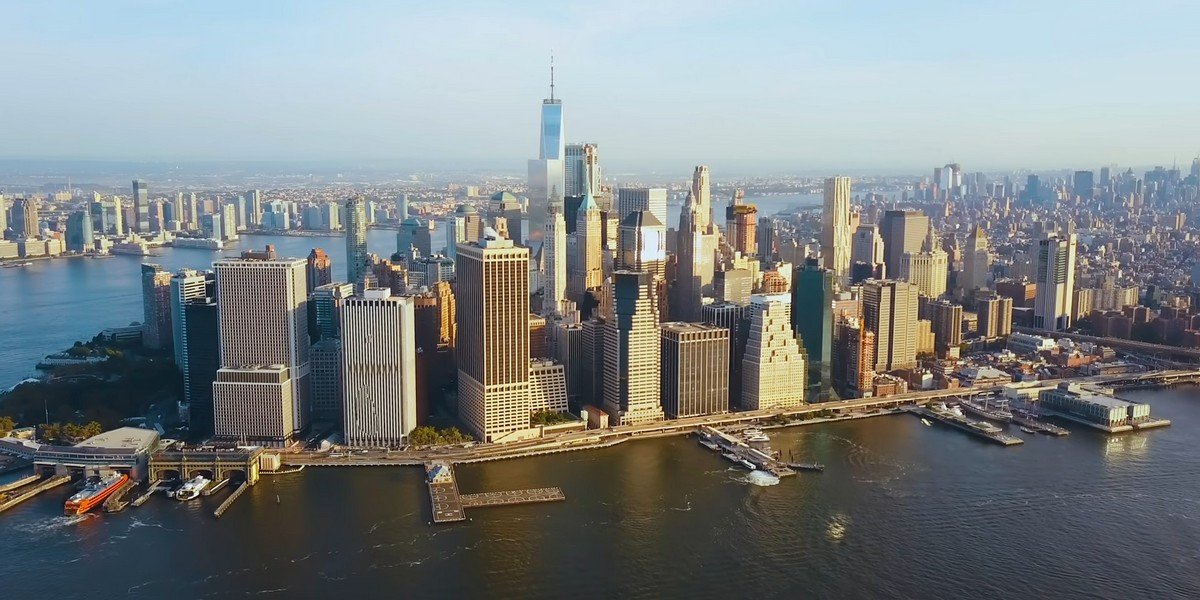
{"x": 828, "y": 85}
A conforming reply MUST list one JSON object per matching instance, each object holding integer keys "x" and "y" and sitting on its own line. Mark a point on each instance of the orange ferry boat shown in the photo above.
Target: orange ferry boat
{"x": 94, "y": 493}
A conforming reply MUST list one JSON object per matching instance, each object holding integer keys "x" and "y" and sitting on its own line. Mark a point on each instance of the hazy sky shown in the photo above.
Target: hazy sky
{"x": 789, "y": 86}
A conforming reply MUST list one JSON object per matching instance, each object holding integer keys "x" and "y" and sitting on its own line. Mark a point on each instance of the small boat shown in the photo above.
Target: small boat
{"x": 926, "y": 422}
{"x": 748, "y": 464}
{"x": 708, "y": 444}
{"x": 1027, "y": 430}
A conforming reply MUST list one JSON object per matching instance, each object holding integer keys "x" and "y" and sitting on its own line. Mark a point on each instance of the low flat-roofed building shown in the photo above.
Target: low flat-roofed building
{"x": 1077, "y": 401}
{"x": 125, "y": 449}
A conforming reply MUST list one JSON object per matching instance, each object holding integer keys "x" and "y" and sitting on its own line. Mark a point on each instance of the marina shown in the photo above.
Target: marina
{"x": 750, "y": 450}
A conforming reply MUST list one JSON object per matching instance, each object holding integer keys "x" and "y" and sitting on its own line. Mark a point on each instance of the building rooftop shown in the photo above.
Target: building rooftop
{"x": 127, "y": 438}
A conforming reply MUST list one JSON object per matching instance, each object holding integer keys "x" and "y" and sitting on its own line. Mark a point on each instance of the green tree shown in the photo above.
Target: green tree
{"x": 423, "y": 436}
{"x": 7, "y": 424}
{"x": 49, "y": 432}
{"x": 92, "y": 429}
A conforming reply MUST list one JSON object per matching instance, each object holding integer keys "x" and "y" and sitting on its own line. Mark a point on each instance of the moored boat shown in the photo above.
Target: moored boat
{"x": 93, "y": 493}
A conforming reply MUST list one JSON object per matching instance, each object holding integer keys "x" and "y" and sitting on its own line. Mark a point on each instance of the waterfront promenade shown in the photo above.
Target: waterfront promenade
{"x": 809, "y": 414}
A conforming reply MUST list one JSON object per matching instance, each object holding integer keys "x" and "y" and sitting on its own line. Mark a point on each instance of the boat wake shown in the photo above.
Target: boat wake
{"x": 55, "y": 523}
{"x": 758, "y": 478}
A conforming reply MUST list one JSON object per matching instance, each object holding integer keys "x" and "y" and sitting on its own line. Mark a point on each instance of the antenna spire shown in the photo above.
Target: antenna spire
{"x": 551, "y": 74}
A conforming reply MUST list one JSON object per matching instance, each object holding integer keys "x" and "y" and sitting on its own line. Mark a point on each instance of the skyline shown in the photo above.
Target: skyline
{"x": 824, "y": 88}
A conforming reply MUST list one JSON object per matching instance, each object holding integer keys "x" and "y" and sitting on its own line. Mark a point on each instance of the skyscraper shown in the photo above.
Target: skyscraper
{"x": 583, "y": 266}
{"x": 320, "y": 269}
{"x": 141, "y": 206}
{"x": 546, "y": 177}
{"x": 186, "y": 287}
{"x": 253, "y": 208}
{"x": 741, "y": 226}
{"x": 156, "y": 307}
{"x": 379, "y": 399}
{"x": 902, "y": 231}
{"x": 927, "y": 269}
{"x": 890, "y": 310}
{"x": 867, "y": 245}
{"x": 79, "y": 232}
{"x": 995, "y": 316}
{"x": 773, "y": 370}
{"x": 734, "y": 286}
{"x": 835, "y": 228}
{"x": 695, "y": 369}
{"x": 632, "y": 368}
{"x": 854, "y": 363}
{"x": 493, "y": 336}
{"x": 642, "y": 244}
{"x": 946, "y": 320}
{"x": 1083, "y": 184}
{"x": 582, "y": 170}
{"x": 415, "y": 239}
{"x": 554, "y": 253}
{"x": 631, "y": 200}
{"x": 1055, "y": 282}
{"x": 813, "y": 288}
{"x": 696, "y": 247}
{"x": 26, "y": 222}
{"x": 976, "y": 263}
{"x": 505, "y": 204}
{"x": 262, "y": 392}
{"x": 356, "y": 239}
{"x": 203, "y": 359}
{"x": 732, "y": 317}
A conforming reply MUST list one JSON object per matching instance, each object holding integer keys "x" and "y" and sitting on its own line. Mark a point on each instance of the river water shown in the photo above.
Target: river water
{"x": 901, "y": 511}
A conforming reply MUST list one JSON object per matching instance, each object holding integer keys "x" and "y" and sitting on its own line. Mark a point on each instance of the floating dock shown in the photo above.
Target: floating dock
{"x": 740, "y": 453}
{"x": 963, "y": 424}
{"x": 449, "y": 506}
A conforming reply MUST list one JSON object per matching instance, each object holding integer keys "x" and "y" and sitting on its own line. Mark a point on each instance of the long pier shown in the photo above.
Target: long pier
{"x": 241, "y": 489}
{"x": 153, "y": 487}
{"x": 965, "y": 425}
{"x": 449, "y": 506}
{"x": 8, "y": 487}
{"x": 116, "y": 502}
{"x": 11, "y": 500}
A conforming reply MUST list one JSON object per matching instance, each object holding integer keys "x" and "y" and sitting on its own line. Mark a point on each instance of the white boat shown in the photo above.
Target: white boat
{"x": 1027, "y": 430}
{"x": 926, "y": 422}
{"x": 748, "y": 465}
{"x": 191, "y": 489}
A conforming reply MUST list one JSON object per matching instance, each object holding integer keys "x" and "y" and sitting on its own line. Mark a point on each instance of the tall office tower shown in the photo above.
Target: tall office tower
{"x": 262, "y": 390}
{"x": 156, "y": 307}
{"x": 178, "y": 211}
{"x": 593, "y": 333}
{"x": 632, "y": 367}
{"x": 493, "y": 336}
{"x": 141, "y": 206}
{"x": 79, "y": 232}
{"x": 732, "y": 317}
{"x": 25, "y": 218}
{"x": 734, "y": 286}
{"x": 642, "y": 244}
{"x": 185, "y": 287}
{"x": 565, "y": 335}
{"x": 774, "y": 369}
{"x": 379, "y": 394}
{"x": 356, "y": 239}
{"x": 583, "y": 264}
{"x": 507, "y": 205}
{"x": 325, "y": 377}
{"x": 554, "y": 254}
{"x": 766, "y": 239}
{"x": 547, "y": 386}
{"x": 867, "y": 246}
{"x": 1083, "y": 184}
{"x": 191, "y": 211}
{"x": 546, "y": 177}
{"x": 813, "y": 289}
{"x": 582, "y": 170}
{"x": 995, "y": 316}
{"x": 320, "y": 269}
{"x": 976, "y": 264}
{"x": 106, "y": 217}
{"x": 695, "y": 369}
{"x": 928, "y": 269}
{"x": 946, "y": 320}
{"x": 890, "y": 310}
{"x": 835, "y": 228}
{"x": 229, "y": 226}
{"x": 415, "y": 238}
{"x": 4, "y": 213}
{"x": 696, "y": 247}
{"x": 854, "y": 362}
{"x": 203, "y": 359}
{"x": 254, "y": 211}
{"x": 741, "y": 227}
{"x": 1055, "y": 282}
{"x": 903, "y": 231}
{"x": 537, "y": 337}
{"x": 631, "y": 200}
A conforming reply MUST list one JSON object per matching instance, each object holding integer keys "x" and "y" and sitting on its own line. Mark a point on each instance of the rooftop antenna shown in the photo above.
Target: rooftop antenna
{"x": 551, "y": 75}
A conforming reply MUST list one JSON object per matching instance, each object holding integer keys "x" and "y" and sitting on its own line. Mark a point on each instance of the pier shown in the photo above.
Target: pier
{"x": 28, "y": 479}
{"x": 116, "y": 502}
{"x": 212, "y": 488}
{"x": 737, "y": 451}
{"x": 963, "y": 424}
{"x": 237, "y": 492}
{"x": 9, "y": 500}
{"x": 449, "y": 506}
{"x": 153, "y": 487}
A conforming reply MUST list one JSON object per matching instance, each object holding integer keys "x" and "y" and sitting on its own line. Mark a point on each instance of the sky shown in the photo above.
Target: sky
{"x": 773, "y": 87}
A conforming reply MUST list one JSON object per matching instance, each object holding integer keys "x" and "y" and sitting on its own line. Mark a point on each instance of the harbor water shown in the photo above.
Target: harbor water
{"x": 901, "y": 511}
